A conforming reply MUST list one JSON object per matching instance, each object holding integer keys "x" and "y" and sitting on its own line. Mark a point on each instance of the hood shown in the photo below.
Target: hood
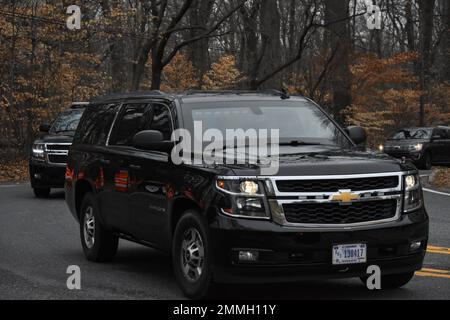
{"x": 65, "y": 137}
{"x": 322, "y": 160}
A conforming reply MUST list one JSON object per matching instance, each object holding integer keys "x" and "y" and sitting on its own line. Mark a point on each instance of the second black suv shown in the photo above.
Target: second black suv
{"x": 425, "y": 146}
{"x": 331, "y": 211}
{"x": 47, "y": 165}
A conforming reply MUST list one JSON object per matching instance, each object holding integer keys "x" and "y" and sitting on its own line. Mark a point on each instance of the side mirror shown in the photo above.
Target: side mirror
{"x": 151, "y": 140}
{"x": 45, "y": 127}
{"x": 357, "y": 134}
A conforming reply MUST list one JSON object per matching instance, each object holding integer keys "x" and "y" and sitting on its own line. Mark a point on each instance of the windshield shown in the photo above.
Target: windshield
{"x": 298, "y": 121}
{"x": 417, "y": 133}
{"x": 67, "y": 121}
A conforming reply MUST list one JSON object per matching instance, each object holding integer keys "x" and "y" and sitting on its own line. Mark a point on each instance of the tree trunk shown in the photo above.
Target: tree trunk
{"x": 271, "y": 44}
{"x": 426, "y": 8}
{"x": 249, "y": 45}
{"x": 157, "y": 69}
{"x": 409, "y": 26}
{"x": 198, "y": 51}
{"x": 445, "y": 47}
{"x": 339, "y": 37}
{"x": 117, "y": 45}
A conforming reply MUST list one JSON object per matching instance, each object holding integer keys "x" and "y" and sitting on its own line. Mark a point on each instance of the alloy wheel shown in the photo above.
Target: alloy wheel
{"x": 89, "y": 227}
{"x": 192, "y": 254}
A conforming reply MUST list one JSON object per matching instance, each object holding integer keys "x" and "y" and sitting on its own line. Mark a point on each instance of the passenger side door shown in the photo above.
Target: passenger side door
{"x": 151, "y": 181}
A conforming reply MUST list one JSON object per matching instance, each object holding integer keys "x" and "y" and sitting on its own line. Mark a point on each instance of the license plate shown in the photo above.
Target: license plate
{"x": 349, "y": 253}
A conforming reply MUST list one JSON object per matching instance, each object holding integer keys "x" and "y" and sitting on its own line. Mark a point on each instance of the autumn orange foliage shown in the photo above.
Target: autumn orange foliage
{"x": 224, "y": 74}
{"x": 386, "y": 96}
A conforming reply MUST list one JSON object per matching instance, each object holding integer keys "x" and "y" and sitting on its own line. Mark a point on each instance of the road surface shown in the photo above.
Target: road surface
{"x": 39, "y": 239}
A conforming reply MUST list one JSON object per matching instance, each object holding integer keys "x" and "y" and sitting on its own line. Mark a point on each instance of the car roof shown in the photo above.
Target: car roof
{"x": 201, "y": 95}
{"x": 79, "y": 105}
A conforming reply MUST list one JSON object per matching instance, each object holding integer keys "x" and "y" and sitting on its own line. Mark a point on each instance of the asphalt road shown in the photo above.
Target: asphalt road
{"x": 39, "y": 239}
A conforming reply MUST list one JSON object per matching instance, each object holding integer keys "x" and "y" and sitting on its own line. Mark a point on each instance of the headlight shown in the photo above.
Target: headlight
{"x": 413, "y": 193}
{"x": 418, "y": 147}
{"x": 249, "y": 187}
{"x": 243, "y": 198}
{"x": 37, "y": 151}
{"x": 381, "y": 147}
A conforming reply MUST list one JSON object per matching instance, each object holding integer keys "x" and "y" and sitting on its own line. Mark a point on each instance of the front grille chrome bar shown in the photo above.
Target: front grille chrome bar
{"x": 280, "y": 198}
{"x": 49, "y": 152}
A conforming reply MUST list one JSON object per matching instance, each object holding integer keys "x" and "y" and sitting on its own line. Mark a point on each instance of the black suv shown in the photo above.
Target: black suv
{"x": 329, "y": 212}
{"x": 47, "y": 164}
{"x": 425, "y": 146}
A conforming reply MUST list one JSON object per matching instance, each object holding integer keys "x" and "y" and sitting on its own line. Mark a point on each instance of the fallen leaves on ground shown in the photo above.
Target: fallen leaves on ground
{"x": 441, "y": 178}
{"x": 14, "y": 171}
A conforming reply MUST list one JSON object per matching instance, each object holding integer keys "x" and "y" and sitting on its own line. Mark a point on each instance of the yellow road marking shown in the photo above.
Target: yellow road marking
{"x": 438, "y": 248}
{"x": 435, "y": 270}
{"x": 430, "y": 274}
{"x": 441, "y": 250}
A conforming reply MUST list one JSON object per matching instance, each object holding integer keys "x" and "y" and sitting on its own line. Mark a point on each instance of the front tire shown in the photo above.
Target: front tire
{"x": 191, "y": 256}
{"x": 41, "y": 192}
{"x": 99, "y": 244}
{"x": 393, "y": 281}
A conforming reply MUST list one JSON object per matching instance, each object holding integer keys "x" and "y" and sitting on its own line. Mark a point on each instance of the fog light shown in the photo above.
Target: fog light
{"x": 248, "y": 256}
{"x": 415, "y": 245}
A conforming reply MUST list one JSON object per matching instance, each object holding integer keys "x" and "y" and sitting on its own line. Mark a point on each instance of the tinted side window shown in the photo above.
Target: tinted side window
{"x": 133, "y": 119}
{"x": 439, "y": 132}
{"x": 161, "y": 120}
{"x": 95, "y": 124}
{"x": 446, "y": 134}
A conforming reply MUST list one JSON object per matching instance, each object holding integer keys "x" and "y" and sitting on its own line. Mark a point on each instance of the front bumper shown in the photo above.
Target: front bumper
{"x": 292, "y": 254}
{"x": 414, "y": 156}
{"x": 43, "y": 175}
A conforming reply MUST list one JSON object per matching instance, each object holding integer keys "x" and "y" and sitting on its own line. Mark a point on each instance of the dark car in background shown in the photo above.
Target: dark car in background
{"x": 48, "y": 156}
{"x": 330, "y": 211}
{"x": 425, "y": 146}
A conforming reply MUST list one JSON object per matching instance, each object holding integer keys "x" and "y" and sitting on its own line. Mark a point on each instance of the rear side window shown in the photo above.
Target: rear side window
{"x": 95, "y": 124}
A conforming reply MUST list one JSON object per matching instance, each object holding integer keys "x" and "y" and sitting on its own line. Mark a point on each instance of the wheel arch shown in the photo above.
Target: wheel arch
{"x": 82, "y": 187}
{"x": 180, "y": 206}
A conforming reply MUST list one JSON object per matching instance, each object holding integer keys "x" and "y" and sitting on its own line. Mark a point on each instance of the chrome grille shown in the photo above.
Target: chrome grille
{"x": 310, "y": 201}
{"x": 334, "y": 213}
{"x": 57, "y": 153}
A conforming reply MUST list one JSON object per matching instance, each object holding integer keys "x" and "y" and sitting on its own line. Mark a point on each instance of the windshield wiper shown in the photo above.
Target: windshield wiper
{"x": 60, "y": 131}
{"x": 296, "y": 143}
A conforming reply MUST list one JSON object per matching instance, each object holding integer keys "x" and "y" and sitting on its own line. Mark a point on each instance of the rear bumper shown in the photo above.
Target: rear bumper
{"x": 43, "y": 175}
{"x": 288, "y": 254}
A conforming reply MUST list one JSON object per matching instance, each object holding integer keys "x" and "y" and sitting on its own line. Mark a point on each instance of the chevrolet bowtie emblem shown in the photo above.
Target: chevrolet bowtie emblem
{"x": 344, "y": 196}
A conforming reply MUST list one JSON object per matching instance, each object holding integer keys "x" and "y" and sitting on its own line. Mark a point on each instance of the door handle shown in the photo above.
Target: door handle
{"x": 105, "y": 161}
{"x": 135, "y": 167}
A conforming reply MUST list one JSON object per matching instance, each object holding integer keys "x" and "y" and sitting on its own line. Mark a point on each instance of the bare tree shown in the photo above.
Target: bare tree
{"x": 426, "y": 8}
{"x": 337, "y": 16}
